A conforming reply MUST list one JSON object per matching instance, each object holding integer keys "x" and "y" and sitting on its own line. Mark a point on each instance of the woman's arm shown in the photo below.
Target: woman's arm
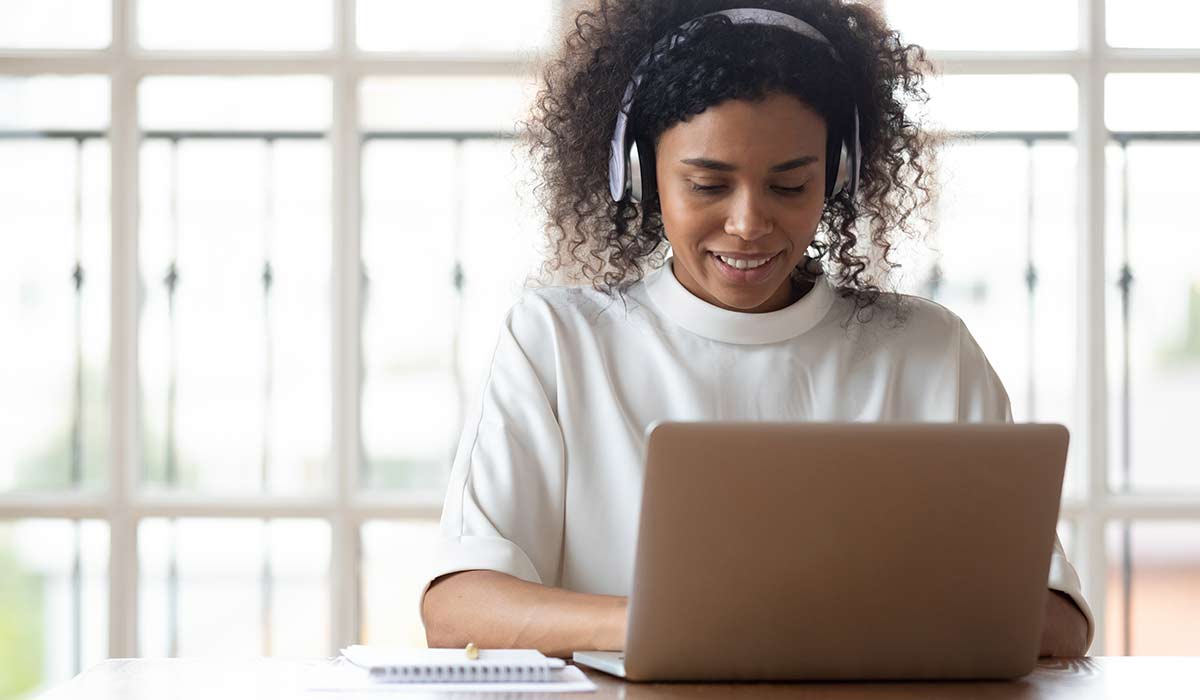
{"x": 499, "y": 611}
{"x": 1065, "y": 630}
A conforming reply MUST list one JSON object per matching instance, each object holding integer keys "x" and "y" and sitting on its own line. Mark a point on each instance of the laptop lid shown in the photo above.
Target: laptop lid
{"x": 789, "y": 551}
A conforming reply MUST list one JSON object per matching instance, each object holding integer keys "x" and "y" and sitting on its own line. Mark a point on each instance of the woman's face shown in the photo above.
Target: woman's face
{"x": 746, "y": 181}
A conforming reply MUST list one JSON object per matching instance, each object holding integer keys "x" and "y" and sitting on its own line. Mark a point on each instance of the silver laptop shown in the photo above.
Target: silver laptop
{"x": 865, "y": 551}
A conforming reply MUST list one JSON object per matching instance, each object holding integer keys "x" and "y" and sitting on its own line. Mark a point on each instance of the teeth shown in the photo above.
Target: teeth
{"x": 743, "y": 264}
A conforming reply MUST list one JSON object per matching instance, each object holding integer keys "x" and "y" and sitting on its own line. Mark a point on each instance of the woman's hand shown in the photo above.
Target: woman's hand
{"x": 1065, "y": 630}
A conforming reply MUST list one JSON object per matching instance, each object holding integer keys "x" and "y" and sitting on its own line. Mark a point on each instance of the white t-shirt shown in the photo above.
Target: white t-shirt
{"x": 546, "y": 484}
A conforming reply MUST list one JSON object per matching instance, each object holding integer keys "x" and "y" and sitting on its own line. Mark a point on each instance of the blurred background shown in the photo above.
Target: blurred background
{"x": 254, "y": 255}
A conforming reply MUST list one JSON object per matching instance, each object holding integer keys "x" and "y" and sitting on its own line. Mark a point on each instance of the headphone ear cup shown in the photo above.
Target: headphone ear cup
{"x": 842, "y": 179}
{"x": 643, "y": 178}
{"x": 633, "y": 173}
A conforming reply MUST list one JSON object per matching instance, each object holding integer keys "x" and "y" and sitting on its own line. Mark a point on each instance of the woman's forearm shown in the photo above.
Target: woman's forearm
{"x": 1065, "y": 630}
{"x": 495, "y": 610}
{"x": 499, "y": 611}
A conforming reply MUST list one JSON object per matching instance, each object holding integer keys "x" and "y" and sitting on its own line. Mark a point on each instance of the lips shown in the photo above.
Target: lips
{"x": 745, "y": 277}
{"x": 745, "y": 256}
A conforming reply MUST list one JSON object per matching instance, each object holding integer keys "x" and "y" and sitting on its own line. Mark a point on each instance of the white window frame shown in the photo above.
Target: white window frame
{"x": 344, "y": 507}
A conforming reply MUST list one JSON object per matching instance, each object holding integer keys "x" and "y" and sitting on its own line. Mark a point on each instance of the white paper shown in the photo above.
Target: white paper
{"x": 343, "y": 676}
{"x": 368, "y": 656}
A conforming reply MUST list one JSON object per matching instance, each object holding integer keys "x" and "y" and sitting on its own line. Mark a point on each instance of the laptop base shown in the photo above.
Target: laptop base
{"x": 611, "y": 662}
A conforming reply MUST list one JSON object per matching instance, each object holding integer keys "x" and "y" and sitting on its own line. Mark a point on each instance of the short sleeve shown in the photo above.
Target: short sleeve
{"x": 981, "y": 398}
{"x": 504, "y": 504}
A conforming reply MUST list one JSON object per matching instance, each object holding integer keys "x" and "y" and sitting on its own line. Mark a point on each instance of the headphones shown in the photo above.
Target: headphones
{"x": 631, "y": 169}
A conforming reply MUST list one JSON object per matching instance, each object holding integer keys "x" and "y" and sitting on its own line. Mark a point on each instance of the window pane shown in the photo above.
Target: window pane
{"x": 469, "y": 25}
{"x": 1152, "y": 102}
{"x": 250, "y": 25}
{"x": 286, "y": 103}
{"x": 1154, "y": 341}
{"x": 1003, "y": 257}
{"x": 54, "y": 601}
{"x": 445, "y": 104}
{"x": 54, "y": 216}
{"x": 54, "y": 102}
{"x": 233, "y": 587}
{"x": 457, "y": 204}
{"x": 985, "y": 103}
{"x": 235, "y": 371}
{"x": 972, "y": 26}
{"x": 453, "y": 206}
{"x": 55, "y": 24}
{"x": 1160, "y": 590}
{"x": 1155, "y": 24}
{"x": 235, "y": 342}
{"x": 410, "y": 405}
{"x": 395, "y": 557}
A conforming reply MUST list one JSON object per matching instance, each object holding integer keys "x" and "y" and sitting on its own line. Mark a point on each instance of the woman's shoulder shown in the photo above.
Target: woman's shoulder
{"x": 566, "y": 306}
{"x": 896, "y": 310}
{"x": 901, "y": 322}
{"x": 932, "y": 345}
{"x": 547, "y": 323}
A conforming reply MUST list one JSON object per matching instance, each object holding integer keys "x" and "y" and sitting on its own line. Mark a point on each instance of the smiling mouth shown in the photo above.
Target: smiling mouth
{"x": 745, "y": 262}
{"x": 746, "y": 274}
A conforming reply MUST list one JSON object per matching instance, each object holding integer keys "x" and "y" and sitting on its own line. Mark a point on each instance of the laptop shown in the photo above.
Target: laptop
{"x": 862, "y": 551}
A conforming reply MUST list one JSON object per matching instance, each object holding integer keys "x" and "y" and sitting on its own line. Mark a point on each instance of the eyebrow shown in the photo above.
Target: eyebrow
{"x": 711, "y": 164}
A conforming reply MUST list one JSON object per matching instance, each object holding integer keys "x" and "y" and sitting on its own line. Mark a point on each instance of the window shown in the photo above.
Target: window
{"x": 947, "y": 25}
{"x": 1144, "y": 24}
{"x": 224, "y": 398}
{"x": 228, "y": 413}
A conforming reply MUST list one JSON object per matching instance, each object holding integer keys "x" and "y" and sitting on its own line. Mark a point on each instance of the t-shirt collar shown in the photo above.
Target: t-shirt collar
{"x": 702, "y": 318}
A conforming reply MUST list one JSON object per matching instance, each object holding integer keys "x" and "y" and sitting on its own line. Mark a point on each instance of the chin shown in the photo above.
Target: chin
{"x": 744, "y": 300}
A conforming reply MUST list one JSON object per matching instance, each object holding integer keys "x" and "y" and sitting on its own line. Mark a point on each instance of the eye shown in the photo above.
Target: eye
{"x": 695, "y": 187}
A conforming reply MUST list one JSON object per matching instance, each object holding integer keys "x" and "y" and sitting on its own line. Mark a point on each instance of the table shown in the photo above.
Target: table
{"x": 1159, "y": 677}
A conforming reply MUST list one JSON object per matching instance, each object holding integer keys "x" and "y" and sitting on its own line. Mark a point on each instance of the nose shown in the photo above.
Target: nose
{"x": 749, "y": 217}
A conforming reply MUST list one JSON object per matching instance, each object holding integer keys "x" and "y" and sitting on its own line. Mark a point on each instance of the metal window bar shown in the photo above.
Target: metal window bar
{"x": 458, "y": 281}
{"x": 268, "y": 226}
{"x": 1031, "y": 280}
{"x": 1125, "y": 284}
{"x": 171, "y": 280}
{"x": 267, "y": 588}
{"x": 268, "y": 232}
{"x": 77, "y": 418}
{"x": 362, "y": 468}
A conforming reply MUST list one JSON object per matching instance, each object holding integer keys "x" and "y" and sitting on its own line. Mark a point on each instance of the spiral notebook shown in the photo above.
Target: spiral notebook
{"x": 452, "y": 665}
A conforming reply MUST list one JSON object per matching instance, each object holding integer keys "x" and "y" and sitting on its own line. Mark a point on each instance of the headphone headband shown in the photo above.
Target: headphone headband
{"x": 620, "y": 178}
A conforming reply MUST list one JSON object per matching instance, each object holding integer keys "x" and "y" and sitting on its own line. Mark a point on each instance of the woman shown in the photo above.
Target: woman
{"x": 774, "y": 160}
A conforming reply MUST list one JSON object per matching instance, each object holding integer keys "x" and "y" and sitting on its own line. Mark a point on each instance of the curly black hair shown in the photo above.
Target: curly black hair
{"x": 567, "y": 134}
